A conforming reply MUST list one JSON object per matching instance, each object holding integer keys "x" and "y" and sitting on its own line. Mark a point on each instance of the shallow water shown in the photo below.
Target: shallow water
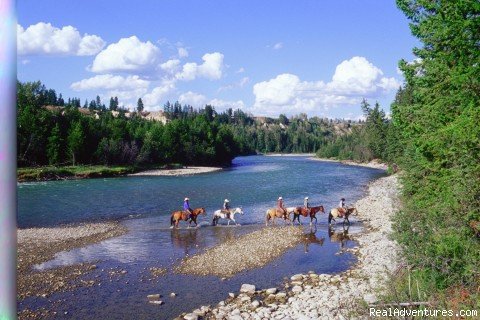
{"x": 253, "y": 182}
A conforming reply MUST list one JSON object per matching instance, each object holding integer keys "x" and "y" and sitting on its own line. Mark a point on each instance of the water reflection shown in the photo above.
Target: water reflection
{"x": 340, "y": 236}
{"x": 311, "y": 238}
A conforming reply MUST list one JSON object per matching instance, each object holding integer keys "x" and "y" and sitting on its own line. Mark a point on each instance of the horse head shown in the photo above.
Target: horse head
{"x": 354, "y": 211}
{"x": 239, "y": 210}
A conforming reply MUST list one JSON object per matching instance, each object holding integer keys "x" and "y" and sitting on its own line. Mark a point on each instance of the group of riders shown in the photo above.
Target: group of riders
{"x": 280, "y": 206}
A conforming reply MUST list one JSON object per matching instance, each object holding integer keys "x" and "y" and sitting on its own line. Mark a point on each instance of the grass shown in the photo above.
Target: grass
{"x": 44, "y": 173}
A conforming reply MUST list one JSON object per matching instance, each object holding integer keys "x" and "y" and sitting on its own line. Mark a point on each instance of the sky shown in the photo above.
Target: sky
{"x": 265, "y": 57}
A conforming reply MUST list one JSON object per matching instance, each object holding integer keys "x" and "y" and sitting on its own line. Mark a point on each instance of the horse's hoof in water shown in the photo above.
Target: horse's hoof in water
{"x": 171, "y": 227}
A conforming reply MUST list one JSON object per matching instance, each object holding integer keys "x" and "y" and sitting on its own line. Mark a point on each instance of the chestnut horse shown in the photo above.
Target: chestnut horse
{"x": 274, "y": 213}
{"x": 181, "y": 215}
{"x": 341, "y": 213}
{"x": 311, "y": 212}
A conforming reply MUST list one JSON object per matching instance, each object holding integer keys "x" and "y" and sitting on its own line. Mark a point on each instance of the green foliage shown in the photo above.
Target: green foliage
{"x": 435, "y": 118}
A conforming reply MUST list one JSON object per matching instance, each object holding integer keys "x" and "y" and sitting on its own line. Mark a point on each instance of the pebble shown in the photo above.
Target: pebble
{"x": 247, "y": 288}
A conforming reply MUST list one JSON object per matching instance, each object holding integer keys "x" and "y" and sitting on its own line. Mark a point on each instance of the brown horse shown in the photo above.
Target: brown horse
{"x": 274, "y": 213}
{"x": 181, "y": 215}
{"x": 310, "y": 212}
{"x": 341, "y": 213}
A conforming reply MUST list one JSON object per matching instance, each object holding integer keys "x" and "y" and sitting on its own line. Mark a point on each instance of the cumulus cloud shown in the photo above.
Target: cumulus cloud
{"x": 353, "y": 80}
{"x": 211, "y": 68}
{"x": 171, "y": 66}
{"x": 157, "y": 97}
{"x": 127, "y": 55}
{"x": 192, "y": 98}
{"x": 220, "y": 104}
{"x": 110, "y": 82}
{"x": 239, "y": 84}
{"x": 45, "y": 39}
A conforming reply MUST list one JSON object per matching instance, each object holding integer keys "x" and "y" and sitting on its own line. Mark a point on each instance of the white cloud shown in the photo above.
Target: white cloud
{"x": 45, "y": 39}
{"x": 358, "y": 76}
{"x": 110, "y": 82}
{"x": 241, "y": 70}
{"x": 157, "y": 97}
{"x": 211, "y": 68}
{"x": 194, "y": 99}
{"x": 353, "y": 80}
{"x": 182, "y": 52}
{"x": 220, "y": 104}
{"x": 278, "y": 46}
{"x": 171, "y": 66}
{"x": 128, "y": 54}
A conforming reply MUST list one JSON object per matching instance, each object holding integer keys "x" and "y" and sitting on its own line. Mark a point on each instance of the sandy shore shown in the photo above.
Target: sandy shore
{"x": 289, "y": 154}
{"x": 177, "y": 172}
{"x": 37, "y": 245}
{"x": 249, "y": 251}
{"x": 372, "y": 164}
{"x": 326, "y": 296}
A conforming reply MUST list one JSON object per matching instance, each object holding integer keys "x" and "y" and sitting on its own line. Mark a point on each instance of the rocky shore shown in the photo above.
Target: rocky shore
{"x": 177, "y": 172}
{"x": 327, "y": 296}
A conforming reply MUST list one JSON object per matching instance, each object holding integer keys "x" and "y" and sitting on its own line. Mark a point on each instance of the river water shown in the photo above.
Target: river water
{"x": 143, "y": 204}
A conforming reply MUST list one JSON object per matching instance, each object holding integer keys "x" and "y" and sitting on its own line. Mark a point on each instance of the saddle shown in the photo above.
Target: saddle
{"x": 341, "y": 212}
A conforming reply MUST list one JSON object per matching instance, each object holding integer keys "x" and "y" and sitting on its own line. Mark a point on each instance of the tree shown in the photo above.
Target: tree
{"x": 54, "y": 146}
{"x": 139, "y": 105}
{"x": 76, "y": 139}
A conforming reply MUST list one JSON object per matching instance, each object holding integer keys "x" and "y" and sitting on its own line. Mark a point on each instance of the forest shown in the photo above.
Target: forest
{"x": 52, "y": 131}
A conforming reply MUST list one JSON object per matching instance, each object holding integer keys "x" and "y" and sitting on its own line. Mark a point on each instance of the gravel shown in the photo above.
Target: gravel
{"x": 333, "y": 296}
{"x": 249, "y": 251}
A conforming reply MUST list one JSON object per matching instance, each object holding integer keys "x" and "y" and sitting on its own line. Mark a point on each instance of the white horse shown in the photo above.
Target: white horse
{"x": 220, "y": 214}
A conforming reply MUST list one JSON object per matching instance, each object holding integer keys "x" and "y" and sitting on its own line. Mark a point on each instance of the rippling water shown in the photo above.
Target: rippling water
{"x": 145, "y": 203}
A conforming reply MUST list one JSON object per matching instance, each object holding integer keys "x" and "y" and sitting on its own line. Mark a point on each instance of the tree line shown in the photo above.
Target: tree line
{"x": 52, "y": 131}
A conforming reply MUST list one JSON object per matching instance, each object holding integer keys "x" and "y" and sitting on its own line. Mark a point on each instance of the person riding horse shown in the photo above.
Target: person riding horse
{"x": 305, "y": 203}
{"x": 186, "y": 207}
{"x": 280, "y": 206}
{"x": 226, "y": 208}
{"x": 341, "y": 206}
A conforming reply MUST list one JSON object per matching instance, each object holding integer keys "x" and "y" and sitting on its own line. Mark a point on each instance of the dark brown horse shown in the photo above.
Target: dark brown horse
{"x": 310, "y": 212}
{"x": 341, "y": 213}
{"x": 181, "y": 215}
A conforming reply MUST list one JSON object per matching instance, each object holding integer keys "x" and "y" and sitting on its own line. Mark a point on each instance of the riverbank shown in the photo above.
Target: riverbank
{"x": 375, "y": 164}
{"x": 328, "y": 296}
{"x": 38, "y": 245}
{"x": 177, "y": 172}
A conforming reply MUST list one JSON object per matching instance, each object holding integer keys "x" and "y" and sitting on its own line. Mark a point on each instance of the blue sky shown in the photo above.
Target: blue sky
{"x": 266, "y": 57}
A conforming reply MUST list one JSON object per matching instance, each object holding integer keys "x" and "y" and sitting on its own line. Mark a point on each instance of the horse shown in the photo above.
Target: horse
{"x": 220, "y": 214}
{"x": 181, "y": 215}
{"x": 312, "y": 211}
{"x": 336, "y": 213}
{"x": 274, "y": 213}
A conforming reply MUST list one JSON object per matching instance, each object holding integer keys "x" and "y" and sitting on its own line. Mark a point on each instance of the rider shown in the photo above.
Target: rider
{"x": 186, "y": 207}
{"x": 280, "y": 205}
{"x": 342, "y": 205}
{"x": 305, "y": 203}
{"x": 226, "y": 208}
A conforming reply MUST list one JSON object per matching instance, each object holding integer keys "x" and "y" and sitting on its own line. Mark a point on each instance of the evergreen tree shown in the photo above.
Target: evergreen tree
{"x": 139, "y": 105}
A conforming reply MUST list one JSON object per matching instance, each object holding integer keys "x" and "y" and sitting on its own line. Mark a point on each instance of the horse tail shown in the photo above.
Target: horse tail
{"x": 172, "y": 220}
{"x": 330, "y": 217}
{"x": 214, "y": 221}
{"x": 267, "y": 217}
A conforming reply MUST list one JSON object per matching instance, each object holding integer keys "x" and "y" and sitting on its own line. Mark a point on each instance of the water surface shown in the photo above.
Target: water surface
{"x": 144, "y": 204}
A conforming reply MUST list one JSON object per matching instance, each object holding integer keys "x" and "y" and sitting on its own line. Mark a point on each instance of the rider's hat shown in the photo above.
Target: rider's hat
{"x": 306, "y": 198}
{"x": 343, "y": 199}
{"x": 186, "y": 199}
{"x": 226, "y": 200}
{"x": 280, "y": 198}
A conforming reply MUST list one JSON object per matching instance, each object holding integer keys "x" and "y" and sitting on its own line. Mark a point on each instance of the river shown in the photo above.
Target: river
{"x": 143, "y": 204}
